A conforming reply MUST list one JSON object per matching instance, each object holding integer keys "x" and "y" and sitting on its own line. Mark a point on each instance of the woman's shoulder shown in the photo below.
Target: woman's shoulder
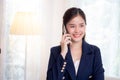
{"x": 94, "y": 48}
{"x": 55, "y": 50}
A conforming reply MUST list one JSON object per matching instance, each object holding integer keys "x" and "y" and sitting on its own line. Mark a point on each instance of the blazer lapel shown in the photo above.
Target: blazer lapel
{"x": 70, "y": 65}
{"x": 85, "y": 60}
{"x": 84, "y": 65}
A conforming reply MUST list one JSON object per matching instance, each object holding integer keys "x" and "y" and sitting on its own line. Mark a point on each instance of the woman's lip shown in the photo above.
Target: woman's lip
{"x": 76, "y": 35}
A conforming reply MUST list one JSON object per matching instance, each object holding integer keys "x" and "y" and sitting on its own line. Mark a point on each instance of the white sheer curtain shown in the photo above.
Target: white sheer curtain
{"x": 34, "y": 68}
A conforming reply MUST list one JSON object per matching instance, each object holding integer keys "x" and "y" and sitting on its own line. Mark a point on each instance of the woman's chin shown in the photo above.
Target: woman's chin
{"x": 77, "y": 40}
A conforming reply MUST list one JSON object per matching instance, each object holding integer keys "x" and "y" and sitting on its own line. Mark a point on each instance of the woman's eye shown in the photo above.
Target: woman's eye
{"x": 81, "y": 25}
{"x": 72, "y": 26}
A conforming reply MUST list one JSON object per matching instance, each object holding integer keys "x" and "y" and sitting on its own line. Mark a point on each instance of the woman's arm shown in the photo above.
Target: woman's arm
{"x": 56, "y": 62}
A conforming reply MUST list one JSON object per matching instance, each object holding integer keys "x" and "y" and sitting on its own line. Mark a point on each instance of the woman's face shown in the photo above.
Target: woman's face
{"x": 76, "y": 28}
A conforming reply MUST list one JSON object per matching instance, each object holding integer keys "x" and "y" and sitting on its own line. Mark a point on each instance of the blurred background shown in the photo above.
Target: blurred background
{"x": 29, "y": 28}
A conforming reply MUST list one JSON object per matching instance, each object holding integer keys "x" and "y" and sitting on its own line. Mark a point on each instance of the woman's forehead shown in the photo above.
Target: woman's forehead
{"x": 76, "y": 19}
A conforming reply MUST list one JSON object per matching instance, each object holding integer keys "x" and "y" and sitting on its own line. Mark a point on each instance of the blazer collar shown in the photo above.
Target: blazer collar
{"x": 86, "y": 48}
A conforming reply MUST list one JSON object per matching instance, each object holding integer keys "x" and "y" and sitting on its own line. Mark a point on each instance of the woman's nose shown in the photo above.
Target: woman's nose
{"x": 77, "y": 29}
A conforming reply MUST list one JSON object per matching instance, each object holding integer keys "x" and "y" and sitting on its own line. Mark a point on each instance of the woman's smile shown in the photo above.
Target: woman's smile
{"x": 76, "y": 35}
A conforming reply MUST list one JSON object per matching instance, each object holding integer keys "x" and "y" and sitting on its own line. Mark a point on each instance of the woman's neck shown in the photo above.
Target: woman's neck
{"x": 76, "y": 45}
{"x": 76, "y": 50}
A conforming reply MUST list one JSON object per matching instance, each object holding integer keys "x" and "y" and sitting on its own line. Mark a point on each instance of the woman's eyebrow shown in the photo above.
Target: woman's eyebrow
{"x": 74, "y": 24}
{"x": 82, "y": 23}
{"x": 71, "y": 24}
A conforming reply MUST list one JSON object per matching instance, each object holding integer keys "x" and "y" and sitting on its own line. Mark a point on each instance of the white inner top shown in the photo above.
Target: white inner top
{"x": 76, "y": 64}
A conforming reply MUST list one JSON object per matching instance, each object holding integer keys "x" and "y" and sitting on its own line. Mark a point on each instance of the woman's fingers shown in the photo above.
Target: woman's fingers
{"x": 65, "y": 35}
{"x": 67, "y": 40}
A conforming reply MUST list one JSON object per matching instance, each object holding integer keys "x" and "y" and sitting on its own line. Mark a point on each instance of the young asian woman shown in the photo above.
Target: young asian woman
{"x": 74, "y": 58}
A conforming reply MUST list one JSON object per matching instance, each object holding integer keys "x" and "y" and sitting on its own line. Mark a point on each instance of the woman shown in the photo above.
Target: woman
{"x": 75, "y": 59}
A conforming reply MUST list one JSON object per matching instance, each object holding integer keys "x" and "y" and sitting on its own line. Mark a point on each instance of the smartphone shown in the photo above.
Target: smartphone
{"x": 63, "y": 30}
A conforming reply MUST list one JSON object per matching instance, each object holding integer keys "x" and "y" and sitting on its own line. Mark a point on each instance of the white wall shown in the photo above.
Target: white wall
{"x": 2, "y": 39}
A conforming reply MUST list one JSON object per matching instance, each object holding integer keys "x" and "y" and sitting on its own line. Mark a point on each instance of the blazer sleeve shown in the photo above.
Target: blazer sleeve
{"x": 98, "y": 71}
{"x": 55, "y": 65}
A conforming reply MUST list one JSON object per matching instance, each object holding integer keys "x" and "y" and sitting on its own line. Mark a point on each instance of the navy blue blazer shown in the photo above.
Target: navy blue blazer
{"x": 90, "y": 66}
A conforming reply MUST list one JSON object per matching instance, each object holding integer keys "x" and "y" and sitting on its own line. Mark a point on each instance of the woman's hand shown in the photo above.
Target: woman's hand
{"x": 66, "y": 39}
